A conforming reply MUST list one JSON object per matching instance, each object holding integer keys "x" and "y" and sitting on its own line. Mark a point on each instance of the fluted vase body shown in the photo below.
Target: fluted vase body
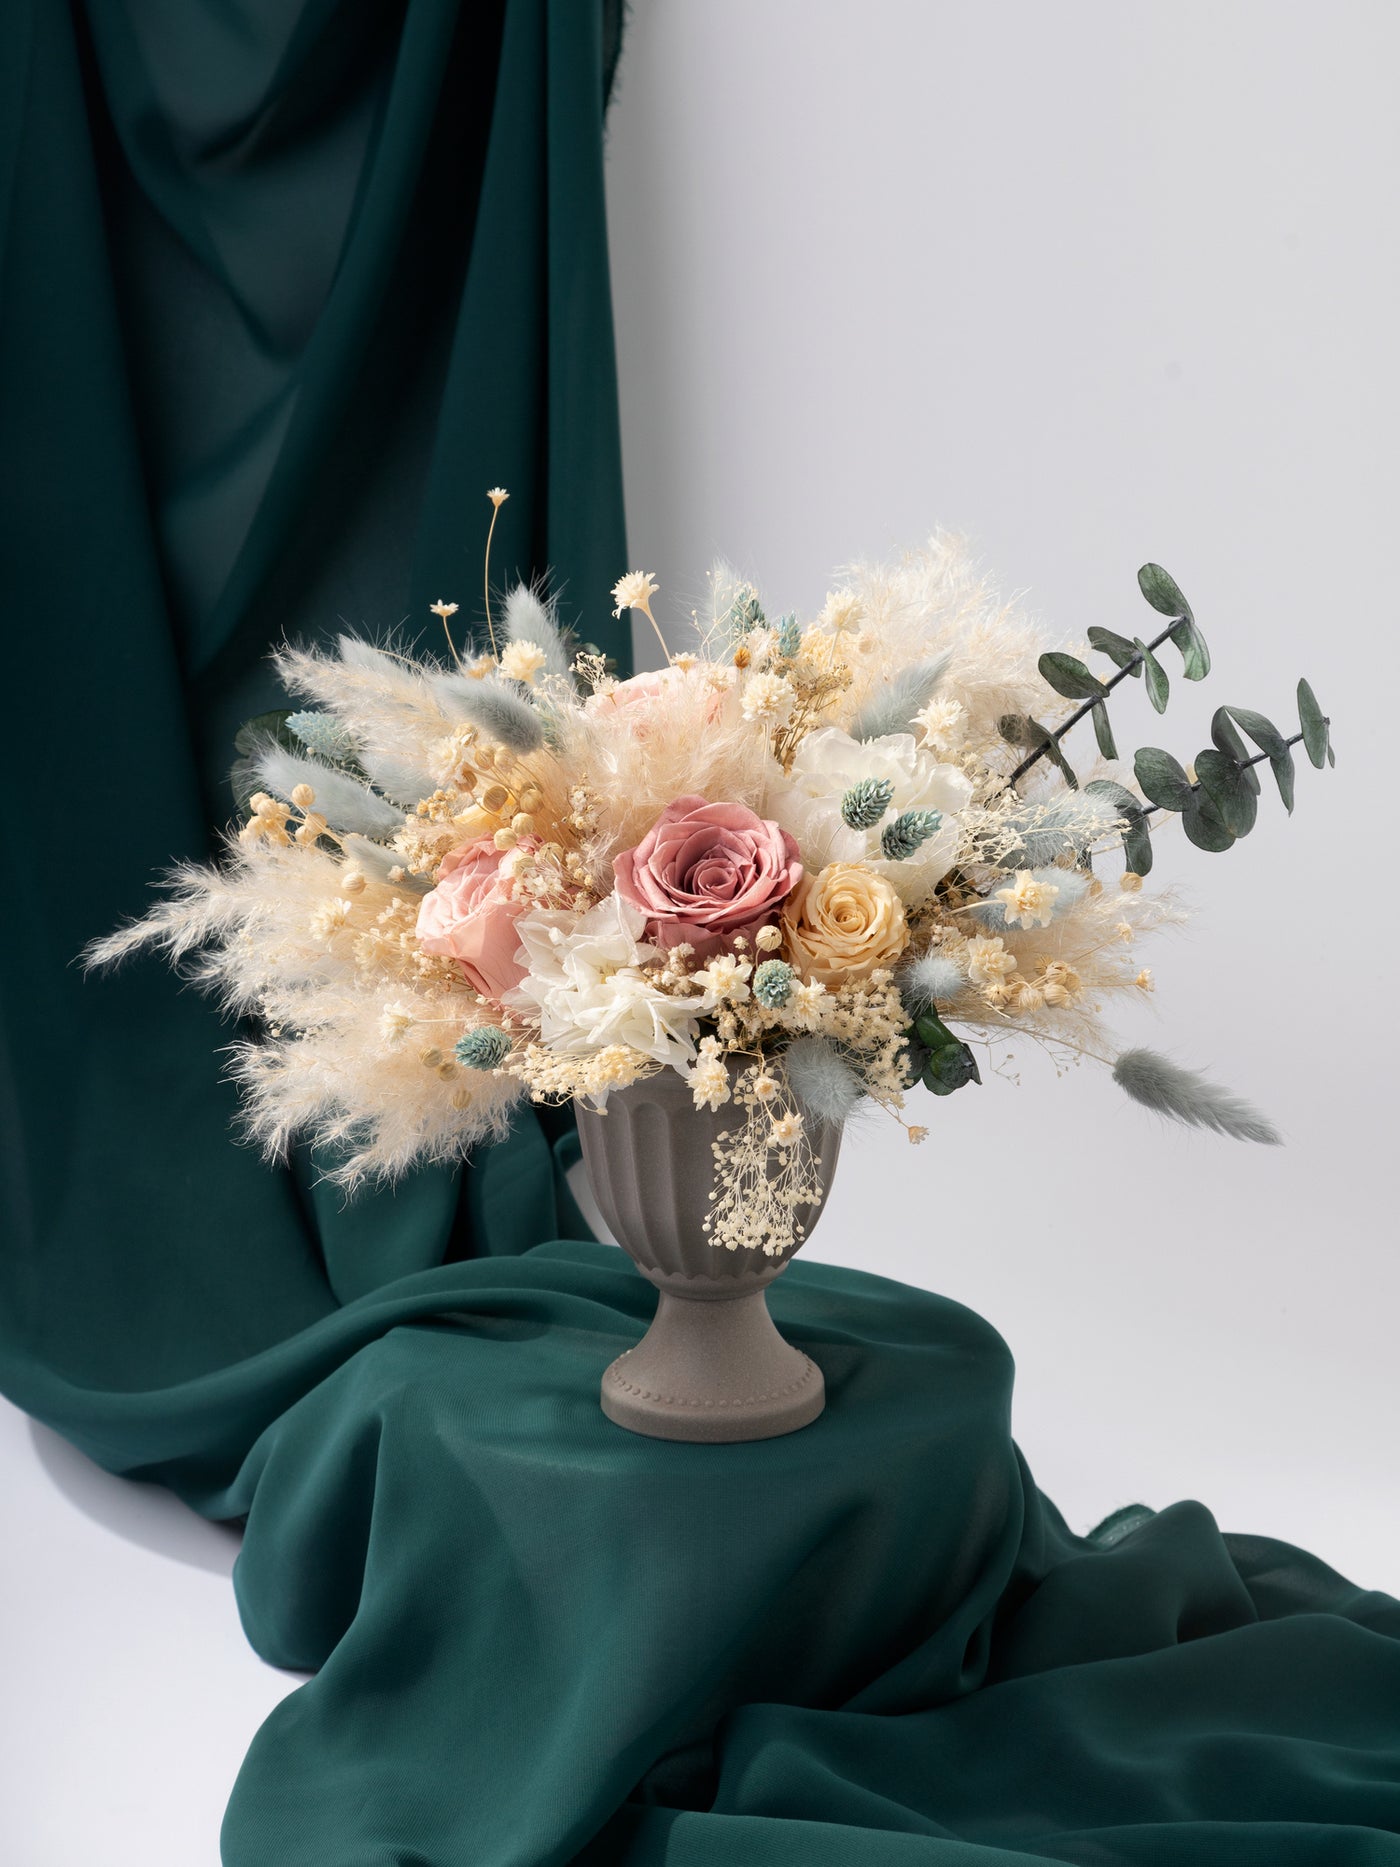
{"x": 712, "y": 1366}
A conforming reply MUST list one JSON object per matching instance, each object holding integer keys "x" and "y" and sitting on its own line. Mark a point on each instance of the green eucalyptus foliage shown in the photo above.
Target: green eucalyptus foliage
{"x": 253, "y": 737}
{"x": 1218, "y": 798}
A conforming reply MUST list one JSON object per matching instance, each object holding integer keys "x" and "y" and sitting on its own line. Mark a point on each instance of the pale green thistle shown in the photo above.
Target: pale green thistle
{"x": 773, "y": 983}
{"x": 865, "y": 803}
{"x": 789, "y": 635}
{"x": 321, "y": 733}
{"x": 909, "y": 831}
{"x": 485, "y": 1048}
{"x": 745, "y": 612}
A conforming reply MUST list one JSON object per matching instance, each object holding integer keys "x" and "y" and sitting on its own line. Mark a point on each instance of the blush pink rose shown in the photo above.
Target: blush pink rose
{"x": 706, "y": 872}
{"x": 636, "y": 699}
{"x": 470, "y": 917}
{"x": 639, "y": 688}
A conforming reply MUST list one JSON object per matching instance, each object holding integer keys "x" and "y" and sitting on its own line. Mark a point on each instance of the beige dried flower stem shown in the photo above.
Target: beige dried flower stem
{"x": 442, "y": 611}
{"x": 498, "y": 497}
{"x": 635, "y": 591}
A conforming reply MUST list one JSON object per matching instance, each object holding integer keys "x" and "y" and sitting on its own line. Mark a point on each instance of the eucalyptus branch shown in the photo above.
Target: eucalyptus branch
{"x": 1245, "y": 764}
{"x": 1083, "y": 712}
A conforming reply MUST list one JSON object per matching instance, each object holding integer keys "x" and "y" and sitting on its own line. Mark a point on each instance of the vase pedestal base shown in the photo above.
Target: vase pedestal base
{"x": 714, "y": 1371}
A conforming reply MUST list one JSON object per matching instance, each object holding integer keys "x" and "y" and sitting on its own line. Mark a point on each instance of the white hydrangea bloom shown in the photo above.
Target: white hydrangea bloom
{"x": 828, "y": 764}
{"x": 587, "y": 989}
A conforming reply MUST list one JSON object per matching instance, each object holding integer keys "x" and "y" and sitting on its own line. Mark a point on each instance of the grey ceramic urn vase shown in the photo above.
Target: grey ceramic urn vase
{"x": 712, "y": 1366}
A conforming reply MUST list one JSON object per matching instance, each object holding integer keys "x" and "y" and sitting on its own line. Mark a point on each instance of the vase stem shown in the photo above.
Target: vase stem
{"x": 713, "y": 1370}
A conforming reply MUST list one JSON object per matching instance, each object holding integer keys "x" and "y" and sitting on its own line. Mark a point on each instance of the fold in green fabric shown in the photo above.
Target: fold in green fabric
{"x": 285, "y": 288}
{"x": 541, "y": 1639}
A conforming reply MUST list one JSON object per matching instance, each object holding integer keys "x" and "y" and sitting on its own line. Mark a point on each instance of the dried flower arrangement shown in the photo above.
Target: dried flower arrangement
{"x": 802, "y": 864}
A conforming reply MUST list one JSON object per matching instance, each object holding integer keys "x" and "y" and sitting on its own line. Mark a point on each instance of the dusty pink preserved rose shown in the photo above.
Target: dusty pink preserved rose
{"x": 706, "y": 872}
{"x": 470, "y": 917}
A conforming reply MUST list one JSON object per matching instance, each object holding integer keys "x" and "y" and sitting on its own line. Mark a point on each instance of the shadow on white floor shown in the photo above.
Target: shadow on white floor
{"x": 142, "y": 1514}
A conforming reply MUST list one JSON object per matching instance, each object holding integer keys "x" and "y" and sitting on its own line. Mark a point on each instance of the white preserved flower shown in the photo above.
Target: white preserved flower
{"x": 635, "y": 591}
{"x": 724, "y": 978}
{"x": 988, "y": 961}
{"x": 395, "y": 1022}
{"x": 709, "y": 1084}
{"x": 522, "y": 661}
{"x": 938, "y": 723}
{"x": 769, "y": 697}
{"x": 588, "y": 990}
{"x": 829, "y": 763}
{"x": 329, "y": 916}
{"x": 1026, "y": 901}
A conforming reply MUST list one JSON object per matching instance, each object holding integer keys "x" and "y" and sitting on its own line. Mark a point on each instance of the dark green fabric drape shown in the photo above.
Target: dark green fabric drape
{"x": 286, "y": 285}
{"x": 285, "y": 289}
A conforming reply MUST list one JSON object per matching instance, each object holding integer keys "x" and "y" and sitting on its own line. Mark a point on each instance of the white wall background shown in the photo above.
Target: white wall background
{"x": 1094, "y": 283}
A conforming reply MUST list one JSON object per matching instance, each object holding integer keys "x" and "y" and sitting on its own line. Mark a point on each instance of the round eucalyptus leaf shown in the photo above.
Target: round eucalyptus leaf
{"x": 1203, "y": 825}
{"x": 1162, "y": 779}
{"x": 1314, "y": 725}
{"x": 1222, "y": 731}
{"x": 1158, "y": 686}
{"x": 1068, "y": 676}
{"x": 1224, "y": 781}
{"x": 1118, "y": 648}
{"x": 1160, "y": 589}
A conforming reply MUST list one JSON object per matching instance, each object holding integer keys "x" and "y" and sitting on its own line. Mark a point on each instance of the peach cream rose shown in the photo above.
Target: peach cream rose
{"x": 842, "y": 923}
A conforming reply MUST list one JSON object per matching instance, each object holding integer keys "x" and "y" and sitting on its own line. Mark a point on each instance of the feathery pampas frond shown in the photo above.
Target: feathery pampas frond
{"x": 821, "y": 1079}
{"x": 202, "y": 904}
{"x": 1186, "y": 1096}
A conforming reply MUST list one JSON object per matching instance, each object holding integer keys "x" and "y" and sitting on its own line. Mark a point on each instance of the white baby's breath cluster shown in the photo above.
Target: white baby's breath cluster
{"x": 459, "y": 880}
{"x": 765, "y": 1171}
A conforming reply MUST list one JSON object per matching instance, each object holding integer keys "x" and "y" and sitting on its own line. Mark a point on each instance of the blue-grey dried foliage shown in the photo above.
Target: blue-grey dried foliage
{"x": 821, "y": 1079}
{"x": 1186, "y": 1096}
{"x": 893, "y": 707}
{"x": 529, "y": 618}
{"x": 497, "y": 708}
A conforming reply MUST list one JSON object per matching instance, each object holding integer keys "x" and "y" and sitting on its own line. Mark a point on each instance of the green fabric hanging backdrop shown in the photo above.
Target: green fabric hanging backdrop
{"x": 286, "y": 286}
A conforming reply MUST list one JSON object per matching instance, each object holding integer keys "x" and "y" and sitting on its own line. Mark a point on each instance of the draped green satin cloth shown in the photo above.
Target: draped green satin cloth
{"x": 285, "y": 287}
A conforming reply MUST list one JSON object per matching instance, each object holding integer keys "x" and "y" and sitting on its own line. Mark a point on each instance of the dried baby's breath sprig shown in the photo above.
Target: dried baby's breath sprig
{"x": 765, "y": 1171}
{"x": 553, "y": 1077}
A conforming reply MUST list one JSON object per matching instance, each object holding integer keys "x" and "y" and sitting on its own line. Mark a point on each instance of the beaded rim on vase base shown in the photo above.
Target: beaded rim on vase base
{"x": 712, "y": 1366}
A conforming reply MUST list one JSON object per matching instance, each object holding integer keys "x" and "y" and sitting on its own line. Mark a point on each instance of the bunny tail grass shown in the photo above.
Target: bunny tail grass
{"x": 345, "y": 803}
{"x": 495, "y": 708}
{"x": 926, "y": 980}
{"x": 821, "y": 1079}
{"x": 892, "y": 708}
{"x": 1187, "y": 1096}
{"x": 529, "y": 619}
